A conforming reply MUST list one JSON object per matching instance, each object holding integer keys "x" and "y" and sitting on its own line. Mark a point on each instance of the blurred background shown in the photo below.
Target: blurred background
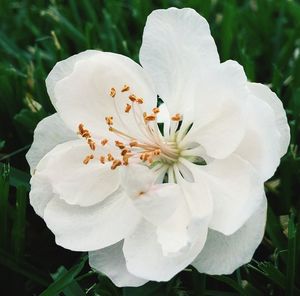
{"x": 262, "y": 35}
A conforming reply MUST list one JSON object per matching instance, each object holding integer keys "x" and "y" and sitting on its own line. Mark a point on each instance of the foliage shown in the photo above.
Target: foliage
{"x": 263, "y": 35}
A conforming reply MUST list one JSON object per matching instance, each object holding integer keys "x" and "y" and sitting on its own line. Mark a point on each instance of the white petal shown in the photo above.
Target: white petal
{"x": 261, "y": 144}
{"x": 84, "y": 95}
{"x": 40, "y": 194}
{"x": 176, "y": 45}
{"x": 63, "y": 69}
{"x": 49, "y": 132}
{"x": 91, "y": 228}
{"x": 219, "y": 124}
{"x": 144, "y": 256}
{"x": 111, "y": 262}
{"x": 223, "y": 254}
{"x": 236, "y": 189}
{"x": 75, "y": 182}
{"x": 264, "y": 93}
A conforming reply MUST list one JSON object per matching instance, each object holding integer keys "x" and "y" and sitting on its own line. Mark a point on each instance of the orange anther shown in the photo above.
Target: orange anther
{"x": 115, "y": 164}
{"x": 109, "y": 120}
{"x": 104, "y": 142}
{"x": 102, "y": 159}
{"x": 92, "y": 144}
{"x": 132, "y": 98}
{"x": 112, "y": 92}
{"x": 155, "y": 110}
{"x": 127, "y": 108}
{"x": 119, "y": 144}
{"x": 133, "y": 143}
{"x": 110, "y": 157}
{"x": 150, "y": 117}
{"x": 176, "y": 117}
{"x": 125, "y": 88}
{"x": 139, "y": 100}
{"x": 88, "y": 158}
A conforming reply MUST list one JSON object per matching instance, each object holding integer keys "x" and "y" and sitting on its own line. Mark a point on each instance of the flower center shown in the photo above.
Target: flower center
{"x": 145, "y": 141}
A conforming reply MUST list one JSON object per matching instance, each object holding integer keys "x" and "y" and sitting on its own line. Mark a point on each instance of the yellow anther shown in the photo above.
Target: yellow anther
{"x": 110, "y": 157}
{"x": 112, "y": 92}
{"x": 155, "y": 110}
{"x": 132, "y": 98}
{"x": 104, "y": 142}
{"x": 140, "y": 100}
{"x": 150, "y": 117}
{"x": 102, "y": 159}
{"x": 125, "y": 88}
{"x": 92, "y": 144}
{"x": 156, "y": 152}
{"x": 115, "y": 164}
{"x": 119, "y": 145}
{"x": 109, "y": 120}
{"x": 127, "y": 108}
{"x": 88, "y": 158}
{"x": 176, "y": 117}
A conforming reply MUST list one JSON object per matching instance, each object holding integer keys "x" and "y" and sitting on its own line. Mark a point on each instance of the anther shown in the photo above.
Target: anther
{"x": 176, "y": 117}
{"x": 124, "y": 152}
{"x": 156, "y": 152}
{"x": 132, "y": 98}
{"x": 127, "y": 108}
{"x": 115, "y": 164}
{"x": 155, "y": 110}
{"x": 110, "y": 157}
{"x": 125, "y": 88}
{"x": 150, "y": 117}
{"x": 133, "y": 143}
{"x": 88, "y": 158}
{"x": 102, "y": 159}
{"x": 109, "y": 120}
{"x": 112, "y": 92}
{"x": 92, "y": 144}
{"x": 119, "y": 145}
{"x": 139, "y": 100}
{"x": 104, "y": 142}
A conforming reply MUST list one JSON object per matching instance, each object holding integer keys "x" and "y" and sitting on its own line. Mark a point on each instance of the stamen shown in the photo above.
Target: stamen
{"x": 109, "y": 120}
{"x": 132, "y": 98}
{"x": 155, "y": 110}
{"x": 88, "y": 158}
{"x": 124, "y": 152}
{"x": 176, "y": 117}
{"x": 133, "y": 144}
{"x": 115, "y": 164}
{"x": 83, "y": 132}
{"x": 104, "y": 142}
{"x": 150, "y": 117}
{"x": 140, "y": 100}
{"x": 125, "y": 88}
{"x": 127, "y": 108}
{"x": 112, "y": 92}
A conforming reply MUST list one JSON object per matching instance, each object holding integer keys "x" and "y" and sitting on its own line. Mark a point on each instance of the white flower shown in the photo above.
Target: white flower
{"x": 146, "y": 199}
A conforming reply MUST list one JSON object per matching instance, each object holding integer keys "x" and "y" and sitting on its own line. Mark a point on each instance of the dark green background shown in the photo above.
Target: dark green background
{"x": 262, "y": 35}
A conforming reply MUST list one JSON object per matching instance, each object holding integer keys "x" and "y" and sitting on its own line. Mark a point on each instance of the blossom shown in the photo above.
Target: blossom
{"x": 151, "y": 168}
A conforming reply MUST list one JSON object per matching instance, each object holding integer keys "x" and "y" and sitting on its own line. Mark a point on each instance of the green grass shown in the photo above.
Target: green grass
{"x": 262, "y": 35}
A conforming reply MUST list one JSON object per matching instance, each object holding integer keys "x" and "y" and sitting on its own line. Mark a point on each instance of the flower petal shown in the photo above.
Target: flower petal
{"x": 49, "y": 132}
{"x": 91, "y": 228}
{"x": 223, "y": 254}
{"x": 84, "y": 95}
{"x": 261, "y": 143}
{"x": 264, "y": 93}
{"x": 176, "y": 44}
{"x": 219, "y": 123}
{"x": 75, "y": 182}
{"x": 111, "y": 262}
{"x": 236, "y": 189}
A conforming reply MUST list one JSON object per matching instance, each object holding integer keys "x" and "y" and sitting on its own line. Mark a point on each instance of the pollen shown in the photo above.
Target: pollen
{"x": 83, "y": 132}
{"x": 125, "y": 88}
{"x": 127, "y": 108}
{"x": 112, "y": 92}
{"x": 155, "y": 110}
{"x": 176, "y": 117}
{"x": 88, "y": 158}
{"x": 109, "y": 120}
{"x": 115, "y": 164}
{"x": 132, "y": 98}
{"x": 104, "y": 142}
